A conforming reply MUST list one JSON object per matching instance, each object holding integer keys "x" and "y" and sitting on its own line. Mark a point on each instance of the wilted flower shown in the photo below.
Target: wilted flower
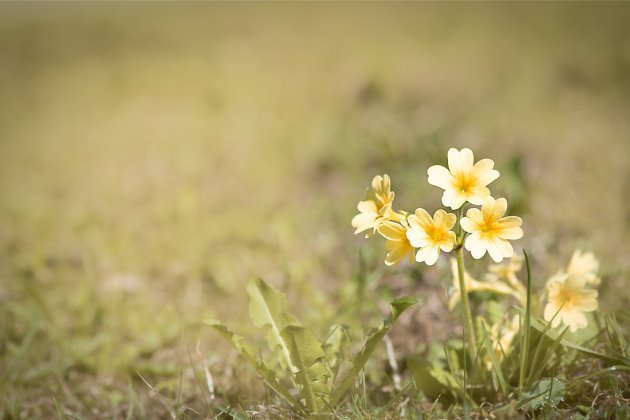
{"x": 501, "y": 336}
{"x": 586, "y": 265}
{"x": 569, "y": 299}
{"x": 473, "y": 285}
{"x": 507, "y": 272}
{"x": 377, "y": 206}
{"x": 489, "y": 231}
{"x": 397, "y": 243}
{"x": 431, "y": 234}
{"x": 464, "y": 180}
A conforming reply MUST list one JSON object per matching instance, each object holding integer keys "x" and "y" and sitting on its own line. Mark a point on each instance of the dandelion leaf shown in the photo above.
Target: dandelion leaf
{"x": 335, "y": 346}
{"x": 263, "y": 370}
{"x": 268, "y": 309}
{"x": 312, "y": 375}
{"x": 398, "y": 306}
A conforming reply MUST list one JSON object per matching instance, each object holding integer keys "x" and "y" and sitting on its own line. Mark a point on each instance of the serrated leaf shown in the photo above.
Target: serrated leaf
{"x": 334, "y": 346}
{"x": 543, "y": 392}
{"x": 398, "y": 306}
{"x": 263, "y": 370}
{"x": 308, "y": 356}
{"x": 268, "y": 308}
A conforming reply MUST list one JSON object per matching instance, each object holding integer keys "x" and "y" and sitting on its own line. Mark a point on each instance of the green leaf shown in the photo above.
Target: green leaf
{"x": 540, "y": 327}
{"x": 263, "y": 370}
{"x": 334, "y": 345}
{"x": 543, "y": 392}
{"x": 312, "y": 375}
{"x": 268, "y": 308}
{"x": 375, "y": 336}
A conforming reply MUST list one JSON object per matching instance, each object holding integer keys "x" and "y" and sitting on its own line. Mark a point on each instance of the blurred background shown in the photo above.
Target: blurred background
{"x": 156, "y": 157}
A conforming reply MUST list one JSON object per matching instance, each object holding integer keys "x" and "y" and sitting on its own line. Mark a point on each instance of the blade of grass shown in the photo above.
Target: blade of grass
{"x": 495, "y": 362}
{"x": 526, "y": 323}
{"x": 534, "y": 361}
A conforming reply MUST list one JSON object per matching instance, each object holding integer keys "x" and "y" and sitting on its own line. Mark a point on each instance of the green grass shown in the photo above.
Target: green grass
{"x": 155, "y": 158}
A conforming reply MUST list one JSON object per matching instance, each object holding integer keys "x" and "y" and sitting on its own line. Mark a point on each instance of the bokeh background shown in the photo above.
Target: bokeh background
{"x": 156, "y": 157}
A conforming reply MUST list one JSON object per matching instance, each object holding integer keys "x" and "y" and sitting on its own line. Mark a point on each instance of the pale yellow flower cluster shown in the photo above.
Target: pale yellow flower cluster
{"x": 464, "y": 181}
{"x": 568, "y": 295}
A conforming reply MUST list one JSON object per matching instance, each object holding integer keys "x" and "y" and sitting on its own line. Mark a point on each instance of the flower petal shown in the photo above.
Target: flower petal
{"x": 392, "y": 231}
{"x": 428, "y": 254}
{"x": 484, "y": 173}
{"x": 440, "y": 177}
{"x": 460, "y": 161}
{"x": 417, "y": 237}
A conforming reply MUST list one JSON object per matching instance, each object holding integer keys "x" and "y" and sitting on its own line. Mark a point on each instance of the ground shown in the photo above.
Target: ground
{"x": 156, "y": 157}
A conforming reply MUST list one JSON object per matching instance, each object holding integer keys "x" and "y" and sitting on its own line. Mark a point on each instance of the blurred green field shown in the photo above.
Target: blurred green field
{"x": 156, "y": 157}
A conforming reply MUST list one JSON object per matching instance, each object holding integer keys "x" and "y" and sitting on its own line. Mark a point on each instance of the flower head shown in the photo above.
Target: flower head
{"x": 397, "y": 243}
{"x": 431, "y": 234}
{"x": 489, "y": 231}
{"x": 569, "y": 299}
{"x": 464, "y": 180}
{"x": 584, "y": 264}
{"x": 376, "y": 208}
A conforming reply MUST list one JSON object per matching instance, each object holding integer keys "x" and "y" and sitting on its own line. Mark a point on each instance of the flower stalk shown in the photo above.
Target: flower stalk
{"x": 469, "y": 332}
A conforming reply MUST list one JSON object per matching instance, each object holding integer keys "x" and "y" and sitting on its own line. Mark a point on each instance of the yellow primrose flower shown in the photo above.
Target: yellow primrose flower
{"x": 584, "y": 264}
{"x": 431, "y": 234}
{"x": 473, "y": 285}
{"x": 397, "y": 243}
{"x": 489, "y": 231}
{"x": 463, "y": 181}
{"x": 568, "y": 297}
{"x": 377, "y": 206}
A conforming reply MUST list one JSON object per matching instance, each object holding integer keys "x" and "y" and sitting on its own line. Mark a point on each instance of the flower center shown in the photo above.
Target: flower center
{"x": 435, "y": 234}
{"x": 464, "y": 183}
{"x": 565, "y": 298}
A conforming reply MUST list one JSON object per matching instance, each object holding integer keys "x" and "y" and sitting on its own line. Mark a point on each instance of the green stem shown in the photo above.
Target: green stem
{"x": 469, "y": 331}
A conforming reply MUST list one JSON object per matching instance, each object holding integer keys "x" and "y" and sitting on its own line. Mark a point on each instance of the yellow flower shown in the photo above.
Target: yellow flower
{"x": 431, "y": 234}
{"x": 489, "y": 231}
{"x": 376, "y": 208}
{"x": 463, "y": 181}
{"x": 473, "y": 285}
{"x": 586, "y": 265}
{"x": 568, "y": 297}
{"x": 397, "y": 243}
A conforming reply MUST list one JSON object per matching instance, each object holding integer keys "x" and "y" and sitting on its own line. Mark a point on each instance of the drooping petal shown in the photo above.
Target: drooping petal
{"x": 398, "y": 251}
{"x": 392, "y": 231}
